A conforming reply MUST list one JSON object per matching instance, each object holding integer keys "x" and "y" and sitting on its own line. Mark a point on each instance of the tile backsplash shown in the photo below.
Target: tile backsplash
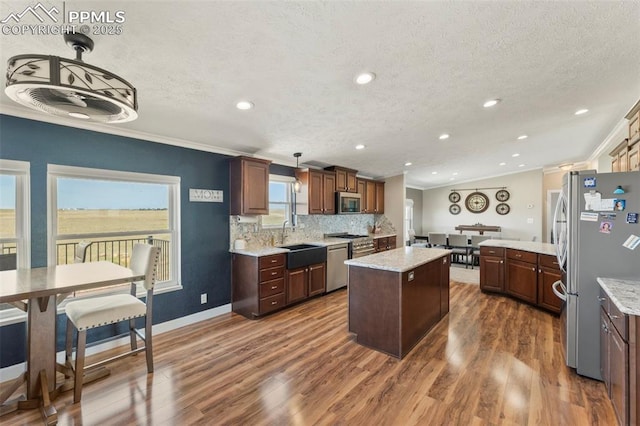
{"x": 309, "y": 228}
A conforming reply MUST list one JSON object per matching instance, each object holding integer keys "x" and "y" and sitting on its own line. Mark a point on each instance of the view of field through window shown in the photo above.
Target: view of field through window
{"x": 278, "y": 204}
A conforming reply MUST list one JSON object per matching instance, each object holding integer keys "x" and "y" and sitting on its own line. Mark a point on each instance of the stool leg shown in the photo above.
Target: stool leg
{"x": 79, "y": 370}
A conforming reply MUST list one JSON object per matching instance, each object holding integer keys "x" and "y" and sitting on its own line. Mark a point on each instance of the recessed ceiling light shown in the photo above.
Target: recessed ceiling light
{"x": 408, "y": 163}
{"x": 581, "y": 111}
{"x": 502, "y": 164}
{"x": 455, "y": 173}
{"x": 365, "y": 78}
{"x": 444, "y": 136}
{"x": 244, "y": 105}
{"x": 79, "y": 115}
{"x": 520, "y": 165}
{"x": 522, "y": 137}
{"x": 516, "y": 155}
{"x": 452, "y": 178}
{"x": 360, "y": 146}
{"x": 490, "y": 103}
{"x": 434, "y": 173}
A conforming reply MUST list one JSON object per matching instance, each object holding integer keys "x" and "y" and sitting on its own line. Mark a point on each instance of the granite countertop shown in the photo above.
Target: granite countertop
{"x": 532, "y": 246}
{"x": 624, "y": 293}
{"x": 398, "y": 260}
{"x": 269, "y": 250}
{"x": 382, "y": 235}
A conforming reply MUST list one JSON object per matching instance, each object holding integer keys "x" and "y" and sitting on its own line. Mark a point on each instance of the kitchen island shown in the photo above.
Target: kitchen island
{"x": 397, "y": 296}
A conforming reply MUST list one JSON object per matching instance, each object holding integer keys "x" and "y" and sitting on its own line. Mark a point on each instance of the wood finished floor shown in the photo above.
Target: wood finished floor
{"x": 491, "y": 361}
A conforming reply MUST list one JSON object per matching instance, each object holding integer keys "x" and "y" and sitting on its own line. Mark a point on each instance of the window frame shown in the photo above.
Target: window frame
{"x": 55, "y": 171}
{"x": 288, "y": 180}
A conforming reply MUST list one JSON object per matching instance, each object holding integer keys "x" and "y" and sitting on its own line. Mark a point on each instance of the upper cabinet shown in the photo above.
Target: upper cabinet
{"x": 625, "y": 158}
{"x": 345, "y": 179}
{"x": 318, "y": 191}
{"x": 372, "y": 195}
{"x": 248, "y": 186}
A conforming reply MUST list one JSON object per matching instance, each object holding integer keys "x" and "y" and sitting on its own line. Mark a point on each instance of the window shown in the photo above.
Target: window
{"x": 14, "y": 211}
{"x": 279, "y": 201}
{"x": 114, "y": 210}
{"x": 408, "y": 219}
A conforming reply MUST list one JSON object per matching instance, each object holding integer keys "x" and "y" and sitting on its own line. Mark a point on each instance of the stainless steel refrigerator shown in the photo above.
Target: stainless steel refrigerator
{"x": 597, "y": 213}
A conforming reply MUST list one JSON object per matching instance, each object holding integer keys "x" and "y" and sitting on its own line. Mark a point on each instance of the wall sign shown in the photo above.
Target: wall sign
{"x": 205, "y": 195}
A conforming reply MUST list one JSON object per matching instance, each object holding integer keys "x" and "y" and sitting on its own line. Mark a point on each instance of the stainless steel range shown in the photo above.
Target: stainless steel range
{"x": 359, "y": 245}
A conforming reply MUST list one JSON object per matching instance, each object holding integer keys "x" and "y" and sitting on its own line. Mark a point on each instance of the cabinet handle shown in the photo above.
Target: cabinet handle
{"x": 540, "y": 270}
{"x": 502, "y": 261}
{"x": 273, "y": 287}
{"x": 274, "y": 260}
{"x": 274, "y": 273}
{"x": 602, "y": 299}
{"x": 533, "y": 269}
{"x": 492, "y": 252}
{"x": 518, "y": 255}
{"x": 274, "y": 303}
{"x": 614, "y": 316}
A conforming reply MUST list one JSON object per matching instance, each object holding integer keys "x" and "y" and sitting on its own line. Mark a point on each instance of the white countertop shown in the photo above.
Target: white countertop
{"x": 624, "y": 293}
{"x": 269, "y": 250}
{"x": 532, "y": 246}
{"x": 398, "y": 260}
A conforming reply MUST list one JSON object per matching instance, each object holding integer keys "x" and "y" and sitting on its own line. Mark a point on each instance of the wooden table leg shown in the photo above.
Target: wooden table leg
{"x": 48, "y": 411}
{"x": 41, "y": 345}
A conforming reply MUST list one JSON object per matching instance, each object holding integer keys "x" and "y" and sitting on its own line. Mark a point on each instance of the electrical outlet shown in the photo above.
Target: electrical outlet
{"x": 203, "y": 298}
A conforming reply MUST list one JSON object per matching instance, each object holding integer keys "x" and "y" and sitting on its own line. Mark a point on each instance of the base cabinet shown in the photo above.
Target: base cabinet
{"x": 521, "y": 274}
{"x": 384, "y": 243}
{"x": 261, "y": 285}
{"x": 615, "y": 359}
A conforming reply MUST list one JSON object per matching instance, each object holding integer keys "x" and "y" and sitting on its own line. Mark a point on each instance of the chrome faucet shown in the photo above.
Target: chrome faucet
{"x": 283, "y": 230}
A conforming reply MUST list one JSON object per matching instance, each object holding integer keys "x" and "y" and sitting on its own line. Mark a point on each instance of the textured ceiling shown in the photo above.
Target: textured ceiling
{"x": 436, "y": 63}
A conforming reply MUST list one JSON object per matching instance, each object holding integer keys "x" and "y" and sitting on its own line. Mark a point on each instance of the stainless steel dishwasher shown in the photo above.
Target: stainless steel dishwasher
{"x": 336, "y": 269}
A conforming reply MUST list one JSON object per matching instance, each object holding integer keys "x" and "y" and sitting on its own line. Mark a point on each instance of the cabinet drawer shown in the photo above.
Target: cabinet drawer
{"x": 619, "y": 320}
{"x": 523, "y": 256}
{"x": 271, "y": 303}
{"x": 491, "y": 251}
{"x": 270, "y": 288}
{"x": 548, "y": 261}
{"x": 271, "y": 274}
{"x": 271, "y": 261}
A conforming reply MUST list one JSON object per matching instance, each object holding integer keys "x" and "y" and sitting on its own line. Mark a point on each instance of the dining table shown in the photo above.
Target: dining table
{"x": 38, "y": 292}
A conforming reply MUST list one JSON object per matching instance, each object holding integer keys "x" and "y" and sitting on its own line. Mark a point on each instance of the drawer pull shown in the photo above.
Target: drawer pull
{"x": 502, "y": 261}
{"x": 533, "y": 269}
{"x": 274, "y": 303}
{"x": 492, "y": 252}
{"x": 602, "y": 299}
{"x": 518, "y": 255}
{"x": 274, "y": 273}
{"x": 274, "y": 260}
{"x": 614, "y": 316}
{"x": 273, "y": 287}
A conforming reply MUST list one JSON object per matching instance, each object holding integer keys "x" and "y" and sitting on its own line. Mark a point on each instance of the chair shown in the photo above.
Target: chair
{"x": 81, "y": 251}
{"x": 437, "y": 239}
{"x": 95, "y": 312}
{"x": 475, "y": 246}
{"x": 7, "y": 261}
{"x": 459, "y": 244}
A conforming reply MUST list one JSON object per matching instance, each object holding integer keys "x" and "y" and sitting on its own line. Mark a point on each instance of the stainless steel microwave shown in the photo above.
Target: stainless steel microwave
{"x": 348, "y": 203}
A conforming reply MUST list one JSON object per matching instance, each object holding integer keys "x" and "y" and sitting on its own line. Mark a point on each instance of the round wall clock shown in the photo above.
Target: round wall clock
{"x": 503, "y": 208}
{"x": 502, "y": 195}
{"x": 454, "y": 197}
{"x": 454, "y": 209}
{"x": 477, "y": 202}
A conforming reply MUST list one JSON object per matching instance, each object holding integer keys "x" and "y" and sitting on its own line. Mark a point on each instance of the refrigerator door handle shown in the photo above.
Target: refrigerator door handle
{"x": 561, "y": 295}
{"x": 561, "y": 252}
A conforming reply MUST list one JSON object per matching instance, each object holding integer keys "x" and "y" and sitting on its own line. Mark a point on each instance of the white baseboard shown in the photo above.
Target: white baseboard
{"x": 13, "y": 371}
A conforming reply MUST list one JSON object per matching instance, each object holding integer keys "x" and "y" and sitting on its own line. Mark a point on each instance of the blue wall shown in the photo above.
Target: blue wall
{"x": 205, "y": 260}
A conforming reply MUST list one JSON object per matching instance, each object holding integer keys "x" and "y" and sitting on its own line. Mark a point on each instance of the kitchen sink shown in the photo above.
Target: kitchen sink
{"x": 301, "y": 255}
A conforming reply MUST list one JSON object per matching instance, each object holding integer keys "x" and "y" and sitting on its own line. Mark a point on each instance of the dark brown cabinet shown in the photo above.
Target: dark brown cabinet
{"x": 492, "y": 269}
{"x": 444, "y": 286}
{"x": 379, "y": 204}
{"x": 372, "y": 195}
{"x": 257, "y": 284}
{"x": 384, "y": 243}
{"x": 521, "y": 274}
{"x": 319, "y": 187}
{"x": 361, "y": 184}
{"x": 248, "y": 186}
{"x": 346, "y": 180}
{"x": 614, "y": 357}
{"x": 548, "y": 273}
{"x": 306, "y": 282}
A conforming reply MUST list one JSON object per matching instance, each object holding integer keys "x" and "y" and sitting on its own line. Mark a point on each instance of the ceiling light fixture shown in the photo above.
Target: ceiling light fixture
{"x": 581, "y": 111}
{"x": 360, "y": 146}
{"x": 244, "y": 105}
{"x": 521, "y": 137}
{"x": 434, "y": 173}
{"x": 408, "y": 163}
{"x": 365, "y": 78}
{"x": 297, "y": 184}
{"x": 455, "y": 173}
{"x": 71, "y": 88}
{"x": 490, "y": 103}
{"x": 520, "y": 165}
{"x": 516, "y": 155}
{"x": 502, "y": 164}
{"x": 444, "y": 136}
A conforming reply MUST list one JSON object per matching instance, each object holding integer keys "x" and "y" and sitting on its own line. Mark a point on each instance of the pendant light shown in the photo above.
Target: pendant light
{"x": 297, "y": 185}
{"x": 71, "y": 88}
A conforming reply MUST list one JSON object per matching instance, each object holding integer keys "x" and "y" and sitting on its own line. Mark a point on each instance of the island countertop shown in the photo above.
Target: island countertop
{"x": 398, "y": 260}
{"x": 532, "y": 246}
{"x": 625, "y": 294}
